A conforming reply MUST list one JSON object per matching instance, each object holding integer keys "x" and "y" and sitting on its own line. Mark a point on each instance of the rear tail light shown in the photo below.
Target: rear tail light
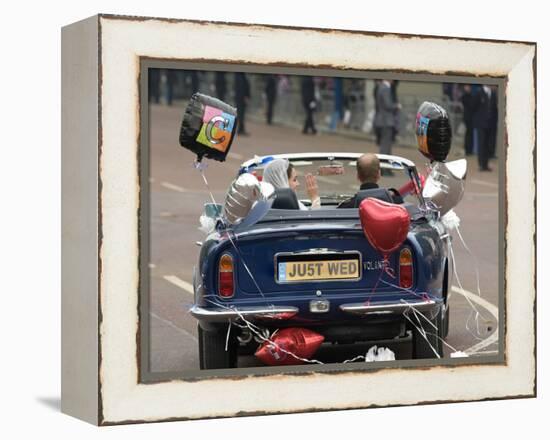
{"x": 405, "y": 268}
{"x": 226, "y": 284}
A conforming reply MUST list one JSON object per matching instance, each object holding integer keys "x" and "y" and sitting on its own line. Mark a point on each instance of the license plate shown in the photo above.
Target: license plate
{"x": 324, "y": 270}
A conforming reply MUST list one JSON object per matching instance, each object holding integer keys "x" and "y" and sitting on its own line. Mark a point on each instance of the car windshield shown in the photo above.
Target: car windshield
{"x": 337, "y": 178}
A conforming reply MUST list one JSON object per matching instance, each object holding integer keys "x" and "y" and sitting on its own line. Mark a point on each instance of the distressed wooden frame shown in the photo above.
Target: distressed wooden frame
{"x": 100, "y": 263}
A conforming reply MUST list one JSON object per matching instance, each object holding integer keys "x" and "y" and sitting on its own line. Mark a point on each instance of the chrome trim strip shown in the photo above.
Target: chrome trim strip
{"x": 218, "y": 314}
{"x": 397, "y": 308}
{"x": 327, "y": 156}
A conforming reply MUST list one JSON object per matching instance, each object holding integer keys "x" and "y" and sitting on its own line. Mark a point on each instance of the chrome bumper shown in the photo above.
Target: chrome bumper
{"x": 389, "y": 308}
{"x": 219, "y": 314}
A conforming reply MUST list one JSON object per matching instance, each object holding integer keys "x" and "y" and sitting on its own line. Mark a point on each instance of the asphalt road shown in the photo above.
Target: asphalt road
{"x": 178, "y": 193}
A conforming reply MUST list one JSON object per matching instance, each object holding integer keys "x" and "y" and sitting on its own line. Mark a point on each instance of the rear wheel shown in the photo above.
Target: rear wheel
{"x": 212, "y": 349}
{"x": 445, "y": 326}
{"x": 427, "y": 336}
{"x": 445, "y": 329}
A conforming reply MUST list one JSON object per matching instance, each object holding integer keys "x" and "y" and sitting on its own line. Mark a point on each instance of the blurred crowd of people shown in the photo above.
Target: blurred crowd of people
{"x": 481, "y": 114}
{"x": 477, "y": 104}
{"x": 387, "y": 113}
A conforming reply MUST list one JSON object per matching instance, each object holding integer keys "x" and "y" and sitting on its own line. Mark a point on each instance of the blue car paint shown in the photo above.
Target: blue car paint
{"x": 429, "y": 253}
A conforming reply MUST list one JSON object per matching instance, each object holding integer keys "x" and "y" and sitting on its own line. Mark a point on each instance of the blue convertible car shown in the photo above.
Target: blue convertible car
{"x": 282, "y": 267}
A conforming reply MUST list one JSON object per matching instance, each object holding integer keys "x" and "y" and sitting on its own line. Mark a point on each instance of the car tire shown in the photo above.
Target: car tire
{"x": 212, "y": 352}
{"x": 445, "y": 323}
{"x": 426, "y": 347}
{"x": 445, "y": 327}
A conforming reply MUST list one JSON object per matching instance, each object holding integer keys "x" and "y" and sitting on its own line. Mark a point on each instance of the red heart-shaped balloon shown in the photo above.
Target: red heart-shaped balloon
{"x": 385, "y": 225}
{"x": 302, "y": 342}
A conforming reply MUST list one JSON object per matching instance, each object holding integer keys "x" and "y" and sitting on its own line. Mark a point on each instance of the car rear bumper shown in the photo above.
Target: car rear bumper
{"x": 216, "y": 314}
{"x": 429, "y": 306}
{"x": 219, "y": 314}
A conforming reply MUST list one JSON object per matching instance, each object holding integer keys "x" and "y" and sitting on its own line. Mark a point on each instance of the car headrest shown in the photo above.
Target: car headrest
{"x": 285, "y": 198}
{"x": 377, "y": 193}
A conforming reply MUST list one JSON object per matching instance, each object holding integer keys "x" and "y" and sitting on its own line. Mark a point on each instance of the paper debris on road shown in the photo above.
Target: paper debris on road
{"x": 459, "y": 354}
{"x": 376, "y": 354}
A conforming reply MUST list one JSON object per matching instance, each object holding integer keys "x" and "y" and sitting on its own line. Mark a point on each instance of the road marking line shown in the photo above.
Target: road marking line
{"x": 179, "y": 283}
{"x": 492, "y": 309}
{"x": 235, "y": 156}
{"x": 486, "y": 353}
{"x": 474, "y": 349}
{"x": 152, "y": 265}
{"x": 493, "y": 339}
{"x": 174, "y": 326}
{"x": 482, "y": 194}
{"x": 173, "y": 187}
{"x": 481, "y": 182}
{"x": 166, "y": 214}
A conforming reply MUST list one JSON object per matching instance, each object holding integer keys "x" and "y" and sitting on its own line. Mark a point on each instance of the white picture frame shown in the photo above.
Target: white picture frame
{"x": 100, "y": 299}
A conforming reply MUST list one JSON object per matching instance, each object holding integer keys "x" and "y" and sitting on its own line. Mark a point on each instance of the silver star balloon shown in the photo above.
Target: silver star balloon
{"x": 243, "y": 193}
{"x": 444, "y": 186}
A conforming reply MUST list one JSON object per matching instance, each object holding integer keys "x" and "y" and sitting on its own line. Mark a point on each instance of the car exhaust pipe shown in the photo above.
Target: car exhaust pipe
{"x": 265, "y": 335}
{"x": 245, "y": 337}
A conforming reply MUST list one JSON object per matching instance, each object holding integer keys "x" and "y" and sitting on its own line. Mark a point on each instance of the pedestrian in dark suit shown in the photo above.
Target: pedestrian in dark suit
{"x": 384, "y": 119}
{"x": 467, "y": 116}
{"x": 220, "y": 85}
{"x": 376, "y": 129}
{"x": 170, "y": 81}
{"x": 271, "y": 96}
{"x": 242, "y": 96}
{"x": 481, "y": 118}
{"x": 154, "y": 85}
{"x": 397, "y": 113}
{"x": 493, "y": 122}
{"x": 309, "y": 104}
{"x": 194, "y": 81}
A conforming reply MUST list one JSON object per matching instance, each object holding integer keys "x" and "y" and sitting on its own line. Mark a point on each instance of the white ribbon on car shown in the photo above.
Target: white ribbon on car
{"x": 451, "y": 221}
{"x": 247, "y": 324}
